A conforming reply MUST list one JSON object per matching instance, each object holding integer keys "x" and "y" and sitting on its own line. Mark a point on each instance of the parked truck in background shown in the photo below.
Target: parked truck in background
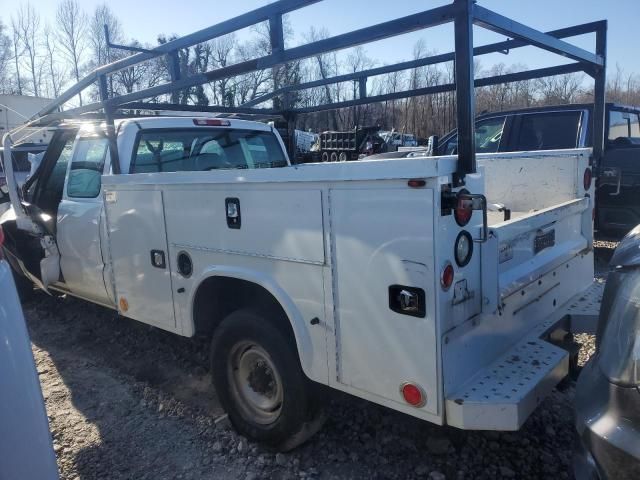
{"x": 570, "y": 126}
{"x": 341, "y": 146}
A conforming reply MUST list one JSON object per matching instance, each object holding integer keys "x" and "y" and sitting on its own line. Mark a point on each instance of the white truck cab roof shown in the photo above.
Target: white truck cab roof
{"x": 128, "y": 128}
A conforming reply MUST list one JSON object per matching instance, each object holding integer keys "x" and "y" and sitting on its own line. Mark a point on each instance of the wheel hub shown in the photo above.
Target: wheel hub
{"x": 255, "y": 382}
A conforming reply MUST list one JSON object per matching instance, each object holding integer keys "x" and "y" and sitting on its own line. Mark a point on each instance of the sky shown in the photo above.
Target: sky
{"x": 145, "y": 19}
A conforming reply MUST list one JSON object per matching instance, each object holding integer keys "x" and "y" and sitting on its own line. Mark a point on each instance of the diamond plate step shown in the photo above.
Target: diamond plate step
{"x": 502, "y": 395}
{"x": 585, "y": 309}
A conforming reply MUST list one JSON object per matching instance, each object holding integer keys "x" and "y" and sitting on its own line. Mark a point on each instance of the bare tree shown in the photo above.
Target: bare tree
{"x": 220, "y": 51}
{"x": 55, "y": 72}
{"x": 327, "y": 66}
{"x": 28, "y": 28}
{"x": 5, "y": 60}
{"x": 561, "y": 89}
{"x": 357, "y": 61}
{"x": 72, "y": 28}
{"x": 101, "y": 54}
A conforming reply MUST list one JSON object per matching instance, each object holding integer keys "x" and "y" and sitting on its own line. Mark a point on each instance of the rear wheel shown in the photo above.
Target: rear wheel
{"x": 260, "y": 383}
{"x": 343, "y": 157}
{"x": 334, "y": 157}
{"x": 325, "y": 157}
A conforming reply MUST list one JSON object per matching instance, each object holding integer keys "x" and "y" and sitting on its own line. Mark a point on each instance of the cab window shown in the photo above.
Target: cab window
{"x": 623, "y": 125}
{"x": 487, "y": 137}
{"x": 204, "y": 149}
{"x": 86, "y": 169}
{"x": 547, "y": 131}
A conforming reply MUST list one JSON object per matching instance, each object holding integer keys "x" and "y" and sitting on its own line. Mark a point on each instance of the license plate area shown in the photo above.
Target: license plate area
{"x": 544, "y": 239}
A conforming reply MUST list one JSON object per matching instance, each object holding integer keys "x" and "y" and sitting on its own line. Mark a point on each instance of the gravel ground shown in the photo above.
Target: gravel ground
{"x": 129, "y": 401}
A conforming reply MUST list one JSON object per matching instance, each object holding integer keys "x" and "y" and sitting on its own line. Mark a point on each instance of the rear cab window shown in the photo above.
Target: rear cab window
{"x": 623, "y": 125}
{"x": 205, "y": 149}
{"x": 547, "y": 131}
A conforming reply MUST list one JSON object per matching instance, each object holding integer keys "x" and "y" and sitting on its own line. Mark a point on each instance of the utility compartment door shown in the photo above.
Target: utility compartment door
{"x": 139, "y": 255}
{"x": 382, "y": 239}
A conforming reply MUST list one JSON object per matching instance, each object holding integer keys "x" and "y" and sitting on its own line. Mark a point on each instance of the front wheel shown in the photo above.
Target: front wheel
{"x": 258, "y": 378}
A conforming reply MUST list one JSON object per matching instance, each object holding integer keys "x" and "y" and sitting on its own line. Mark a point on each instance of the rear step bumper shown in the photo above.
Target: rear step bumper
{"x": 502, "y": 395}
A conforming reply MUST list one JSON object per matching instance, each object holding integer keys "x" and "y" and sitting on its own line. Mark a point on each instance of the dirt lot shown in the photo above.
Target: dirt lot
{"x": 129, "y": 401}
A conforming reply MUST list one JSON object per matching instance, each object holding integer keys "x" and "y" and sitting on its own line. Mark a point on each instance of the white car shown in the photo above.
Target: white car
{"x": 26, "y": 449}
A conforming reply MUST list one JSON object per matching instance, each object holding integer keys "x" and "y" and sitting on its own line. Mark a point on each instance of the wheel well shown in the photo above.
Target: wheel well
{"x": 217, "y": 297}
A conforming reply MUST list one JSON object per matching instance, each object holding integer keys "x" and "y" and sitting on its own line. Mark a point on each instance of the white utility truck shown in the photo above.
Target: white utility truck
{"x": 441, "y": 287}
{"x": 375, "y": 277}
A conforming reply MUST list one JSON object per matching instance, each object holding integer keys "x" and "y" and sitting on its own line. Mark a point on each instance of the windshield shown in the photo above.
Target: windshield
{"x": 205, "y": 149}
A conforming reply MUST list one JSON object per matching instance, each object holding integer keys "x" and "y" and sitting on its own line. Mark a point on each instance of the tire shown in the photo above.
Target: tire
{"x": 343, "y": 157}
{"x": 325, "y": 157}
{"x": 334, "y": 157}
{"x": 259, "y": 381}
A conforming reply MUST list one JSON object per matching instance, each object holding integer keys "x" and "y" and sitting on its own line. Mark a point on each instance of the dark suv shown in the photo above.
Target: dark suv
{"x": 570, "y": 126}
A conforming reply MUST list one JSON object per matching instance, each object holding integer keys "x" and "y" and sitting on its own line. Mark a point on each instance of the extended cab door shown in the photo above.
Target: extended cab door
{"x": 139, "y": 255}
{"x": 80, "y": 220}
{"x": 618, "y": 188}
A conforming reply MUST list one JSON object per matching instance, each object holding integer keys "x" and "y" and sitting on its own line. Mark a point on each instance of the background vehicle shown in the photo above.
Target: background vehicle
{"x": 16, "y": 109}
{"x": 349, "y": 145}
{"x": 22, "y": 167}
{"x": 25, "y": 441}
{"x": 608, "y": 391}
{"x": 394, "y": 140}
{"x": 570, "y": 126}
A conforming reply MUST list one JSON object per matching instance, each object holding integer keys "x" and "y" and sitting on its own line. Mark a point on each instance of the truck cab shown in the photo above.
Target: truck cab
{"x": 64, "y": 196}
{"x": 570, "y": 126}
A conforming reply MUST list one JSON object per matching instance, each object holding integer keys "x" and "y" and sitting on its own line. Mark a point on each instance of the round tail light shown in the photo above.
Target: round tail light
{"x": 586, "y": 179}
{"x": 463, "y": 249}
{"x": 446, "y": 277}
{"x": 464, "y": 209}
{"x": 413, "y": 394}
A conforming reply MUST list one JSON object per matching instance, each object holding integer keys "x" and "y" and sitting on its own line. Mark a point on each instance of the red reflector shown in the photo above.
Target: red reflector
{"x": 416, "y": 183}
{"x": 211, "y": 122}
{"x": 413, "y": 394}
{"x": 463, "y": 210}
{"x": 446, "y": 278}
{"x": 586, "y": 179}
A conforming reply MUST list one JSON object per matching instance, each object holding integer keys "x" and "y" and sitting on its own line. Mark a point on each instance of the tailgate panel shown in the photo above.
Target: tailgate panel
{"x": 519, "y": 251}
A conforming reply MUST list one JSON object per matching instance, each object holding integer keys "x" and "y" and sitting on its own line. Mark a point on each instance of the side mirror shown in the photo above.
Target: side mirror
{"x": 432, "y": 146}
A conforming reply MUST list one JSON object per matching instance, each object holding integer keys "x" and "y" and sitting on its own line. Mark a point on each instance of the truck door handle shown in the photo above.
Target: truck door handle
{"x": 232, "y": 207}
{"x": 158, "y": 259}
{"x": 610, "y": 172}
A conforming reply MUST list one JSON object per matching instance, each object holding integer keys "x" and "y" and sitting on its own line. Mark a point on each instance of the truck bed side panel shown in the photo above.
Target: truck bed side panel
{"x": 383, "y": 237}
{"x": 279, "y": 246}
{"x": 271, "y": 222}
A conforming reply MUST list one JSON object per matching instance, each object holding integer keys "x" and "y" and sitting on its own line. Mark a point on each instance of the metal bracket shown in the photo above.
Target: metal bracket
{"x": 122, "y": 47}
